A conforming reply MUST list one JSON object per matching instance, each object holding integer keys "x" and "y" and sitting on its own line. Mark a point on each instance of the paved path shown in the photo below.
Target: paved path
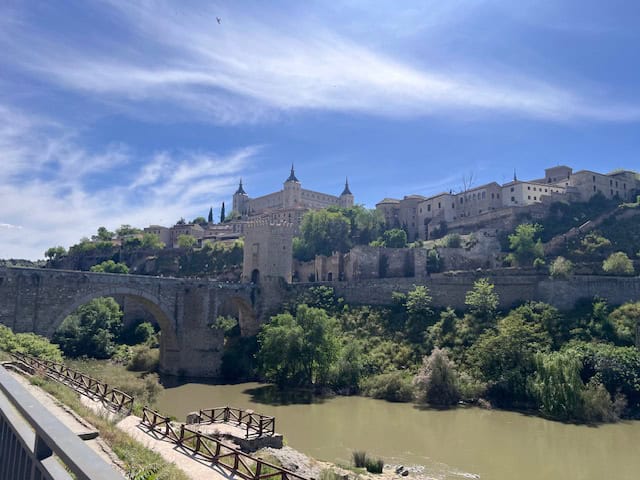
{"x": 73, "y": 421}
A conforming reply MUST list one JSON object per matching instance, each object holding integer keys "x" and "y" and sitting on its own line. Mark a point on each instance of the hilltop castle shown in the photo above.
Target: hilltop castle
{"x": 288, "y": 204}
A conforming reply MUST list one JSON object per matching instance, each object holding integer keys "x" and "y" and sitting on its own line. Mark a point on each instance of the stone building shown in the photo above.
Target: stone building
{"x": 422, "y": 216}
{"x": 268, "y": 251}
{"x": 287, "y": 205}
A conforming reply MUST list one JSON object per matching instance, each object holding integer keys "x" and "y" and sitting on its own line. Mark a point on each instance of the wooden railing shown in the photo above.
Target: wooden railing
{"x": 257, "y": 425}
{"x": 235, "y": 461}
{"x": 112, "y": 397}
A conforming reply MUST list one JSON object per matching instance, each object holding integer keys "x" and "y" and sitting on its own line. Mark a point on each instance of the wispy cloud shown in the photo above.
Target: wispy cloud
{"x": 247, "y": 69}
{"x": 48, "y": 196}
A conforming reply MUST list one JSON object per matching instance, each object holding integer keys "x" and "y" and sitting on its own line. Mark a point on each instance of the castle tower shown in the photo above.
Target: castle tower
{"x": 346, "y": 197}
{"x": 292, "y": 192}
{"x": 268, "y": 251}
{"x": 241, "y": 201}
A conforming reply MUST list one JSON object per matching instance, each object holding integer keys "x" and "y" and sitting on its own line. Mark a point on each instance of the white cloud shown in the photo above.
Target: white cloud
{"x": 246, "y": 69}
{"x": 53, "y": 202}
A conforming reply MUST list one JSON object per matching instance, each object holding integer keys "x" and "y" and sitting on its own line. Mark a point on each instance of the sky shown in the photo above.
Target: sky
{"x": 142, "y": 112}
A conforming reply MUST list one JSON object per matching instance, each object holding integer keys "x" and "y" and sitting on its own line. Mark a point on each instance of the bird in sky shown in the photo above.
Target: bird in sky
{"x": 219, "y": 20}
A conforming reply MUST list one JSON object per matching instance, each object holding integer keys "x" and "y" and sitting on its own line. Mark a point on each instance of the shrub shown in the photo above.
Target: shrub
{"x": 28, "y": 343}
{"x": 596, "y": 404}
{"x": 436, "y": 382}
{"x": 359, "y": 458}
{"x": 453, "y": 240}
{"x": 144, "y": 359}
{"x": 538, "y": 263}
{"x": 618, "y": 263}
{"x": 393, "y": 386}
{"x": 374, "y": 465}
{"x": 561, "y": 268}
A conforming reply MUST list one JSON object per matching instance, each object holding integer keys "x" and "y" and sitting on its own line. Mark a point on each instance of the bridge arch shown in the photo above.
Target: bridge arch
{"x": 166, "y": 322}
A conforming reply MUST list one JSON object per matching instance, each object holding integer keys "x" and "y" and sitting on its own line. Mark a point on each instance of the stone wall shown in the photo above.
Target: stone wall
{"x": 267, "y": 251}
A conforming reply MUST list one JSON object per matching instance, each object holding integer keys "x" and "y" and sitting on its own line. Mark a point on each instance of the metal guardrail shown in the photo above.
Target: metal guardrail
{"x": 257, "y": 425}
{"x": 31, "y": 439}
{"x": 235, "y": 461}
{"x": 114, "y": 398}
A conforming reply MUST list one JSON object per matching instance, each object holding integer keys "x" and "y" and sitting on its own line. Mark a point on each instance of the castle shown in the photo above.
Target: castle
{"x": 287, "y": 205}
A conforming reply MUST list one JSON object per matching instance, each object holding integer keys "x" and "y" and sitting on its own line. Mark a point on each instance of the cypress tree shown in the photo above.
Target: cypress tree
{"x": 210, "y": 217}
{"x": 222, "y": 213}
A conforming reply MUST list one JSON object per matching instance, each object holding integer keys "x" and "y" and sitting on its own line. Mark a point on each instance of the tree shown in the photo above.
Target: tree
{"x": 151, "y": 241}
{"x": 54, "y": 253}
{"x": 28, "y": 343}
{"x": 618, "y": 263}
{"x": 625, "y": 320}
{"x": 557, "y": 385}
{"x": 323, "y": 232}
{"x": 561, "y": 268}
{"x": 419, "y": 312}
{"x": 394, "y": 238}
{"x": 436, "y": 381}
{"x": 222, "y": 213}
{"x": 299, "y": 350}
{"x": 91, "y": 330}
{"x": 105, "y": 235}
{"x": 504, "y": 357}
{"x": 199, "y": 221}
{"x": 525, "y": 244}
{"x": 210, "y": 216}
{"x": 110, "y": 267}
{"x": 186, "y": 241}
{"x": 126, "y": 230}
{"x": 482, "y": 300}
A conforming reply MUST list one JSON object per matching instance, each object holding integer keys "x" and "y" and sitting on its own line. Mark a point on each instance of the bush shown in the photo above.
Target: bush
{"x": 359, "y": 458}
{"x": 453, "y": 240}
{"x": 561, "y": 268}
{"x": 393, "y": 386}
{"x": 436, "y": 382}
{"x": 618, "y": 263}
{"x": 144, "y": 359}
{"x": 28, "y": 343}
{"x": 374, "y": 465}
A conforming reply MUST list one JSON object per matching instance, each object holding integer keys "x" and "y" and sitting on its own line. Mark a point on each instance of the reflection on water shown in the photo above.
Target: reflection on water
{"x": 272, "y": 395}
{"x": 451, "y": 444}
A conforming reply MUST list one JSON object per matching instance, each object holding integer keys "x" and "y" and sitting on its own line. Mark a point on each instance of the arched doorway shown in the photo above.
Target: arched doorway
{"x": 255, "y": 276}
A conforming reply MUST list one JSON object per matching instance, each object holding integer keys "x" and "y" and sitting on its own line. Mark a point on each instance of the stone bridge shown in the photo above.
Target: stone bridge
{"x": 38, "y": 300}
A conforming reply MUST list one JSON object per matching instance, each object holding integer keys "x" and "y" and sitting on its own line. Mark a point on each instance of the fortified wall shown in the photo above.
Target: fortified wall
{"x": 512, "y": 286}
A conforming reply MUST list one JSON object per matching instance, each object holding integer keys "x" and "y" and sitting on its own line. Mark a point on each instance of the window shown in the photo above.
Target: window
{"x": 535, "y": 198}
{"x": 493, "y": 195}
{"x": 484, "y": 194}
{"x": 461, "y": 200}
{"x": 610, "y": 182}
{"x": 534, "y": 189}
{"x": 594, "y": 179}
{"x": 545, "y": 190}
{"x": 429, "y": 208}
{"x": 439, "y": 206}
{"x": 420, "y": 210}
{"x": 453, "y": 204}
{"x": 497, "y": 195}
{"x": 528, "y": 197}
{"x": 512, "y": 189}
{"x": 624, "y": 186}
{"x": 513, "y": 199}
{"x": 528, "y": 187}
{"x": 594, "y": 188}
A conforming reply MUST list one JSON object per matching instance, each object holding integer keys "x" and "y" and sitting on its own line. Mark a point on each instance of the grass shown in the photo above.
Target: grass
{"x": 359, "y": 458}
{"x": 374, "y": 465}
{"x": 139, "y": 461}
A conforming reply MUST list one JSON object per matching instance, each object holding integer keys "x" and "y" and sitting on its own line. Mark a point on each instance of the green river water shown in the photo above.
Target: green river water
{"x": 450, "y": 444}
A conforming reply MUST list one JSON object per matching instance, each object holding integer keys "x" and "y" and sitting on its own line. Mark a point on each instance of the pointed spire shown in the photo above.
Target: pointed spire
{"x": 346, "y": 190}
{"x": 515, "y": 177}
{"x": 292, "y": 176}
{"x": 240, "y": 189}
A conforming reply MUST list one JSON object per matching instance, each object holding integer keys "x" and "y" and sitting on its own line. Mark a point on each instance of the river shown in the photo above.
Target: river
{"x": 451, "y": 444}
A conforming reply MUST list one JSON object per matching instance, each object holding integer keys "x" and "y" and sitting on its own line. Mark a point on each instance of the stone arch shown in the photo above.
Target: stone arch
{"x": 168, "y": 338}
{"x": 247, "y": 319}
{"x": 255, "y": 276}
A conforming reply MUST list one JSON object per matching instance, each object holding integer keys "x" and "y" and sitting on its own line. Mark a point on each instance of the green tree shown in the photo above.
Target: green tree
{"x": 199, "y": 221}
{"x": 394, "y": 238}
{"x": 525, "y": 244}
{"x": 618, "y": 263}
{"x": 210, "y": 217}
{"x": 91, "y": 330}
{"x": 626, "y": 320}
{"x": 419, "y": 312}
{"x": 299, "y": 350}
{"x": 110, "y": 266}
{"x": 186, "y": 241}
{"x": 323, "y": 232}
{"x": 222, "y": 215}
{"x": 151, "y": 241}
{"x": 482, "y": 300}
{"x": 105, "y": 235}
{"x": 504, "y": 357}
{"x": 437, "y": 380}
{"x": 54, "y": 253}
{"x": 126, "y": 230}
{"x": 561, "y": 268}
{"x": 557, "y": 385}
{"x": 28, "y": 343}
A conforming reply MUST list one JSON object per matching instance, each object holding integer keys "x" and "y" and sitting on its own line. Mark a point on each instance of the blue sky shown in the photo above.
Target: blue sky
{"x": 119, "y": 111}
